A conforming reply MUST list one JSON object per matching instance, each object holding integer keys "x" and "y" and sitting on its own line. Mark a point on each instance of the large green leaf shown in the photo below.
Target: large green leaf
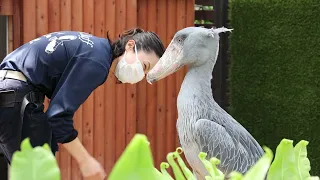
{"x": 283, "y": 166}
{"x": 302, "y": 161}
{"x": 313, "y": 178}
{"x": 136, "y": 162}
{"x": 34, "y": 163}
{"x": 260, "y": 169}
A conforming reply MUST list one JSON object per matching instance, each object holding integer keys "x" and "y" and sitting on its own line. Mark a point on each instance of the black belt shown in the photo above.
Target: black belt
{"x": 10, "y": 97}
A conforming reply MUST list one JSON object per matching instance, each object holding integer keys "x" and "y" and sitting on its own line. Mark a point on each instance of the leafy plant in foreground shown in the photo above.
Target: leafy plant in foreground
{"x": 34, "y": 163}
{"x": 290, "y": 163}
{"x": 136, "y": 163}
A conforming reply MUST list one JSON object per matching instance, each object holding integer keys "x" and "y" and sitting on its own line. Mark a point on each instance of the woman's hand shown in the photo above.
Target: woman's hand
{"x": 91, "y": 169}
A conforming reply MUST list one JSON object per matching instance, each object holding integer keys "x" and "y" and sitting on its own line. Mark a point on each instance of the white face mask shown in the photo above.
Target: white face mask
{"x": 129, "y": 73}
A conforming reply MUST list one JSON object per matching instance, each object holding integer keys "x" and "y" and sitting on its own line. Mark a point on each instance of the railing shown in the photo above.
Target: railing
{"x": 204, "y": 13}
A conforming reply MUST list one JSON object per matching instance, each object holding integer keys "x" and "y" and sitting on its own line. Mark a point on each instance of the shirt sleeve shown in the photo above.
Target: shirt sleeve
{"x": 81, "y": 77}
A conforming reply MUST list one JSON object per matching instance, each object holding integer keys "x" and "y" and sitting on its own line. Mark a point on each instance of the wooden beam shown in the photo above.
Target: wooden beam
{"x": 6, "y": 7}
{"x": 204, "y": 15}
{"x": 17, "y": 27}
{"x": 204, "y": 25}
{"x": 205, "y": 2}
{"x": 10, "y": 34}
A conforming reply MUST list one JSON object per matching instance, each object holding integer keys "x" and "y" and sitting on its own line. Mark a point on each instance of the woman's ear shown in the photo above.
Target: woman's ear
{"x": 130, "y": 45}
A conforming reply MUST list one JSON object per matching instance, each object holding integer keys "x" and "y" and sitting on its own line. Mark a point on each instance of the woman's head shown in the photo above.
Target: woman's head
{"x": 135, "y": 53}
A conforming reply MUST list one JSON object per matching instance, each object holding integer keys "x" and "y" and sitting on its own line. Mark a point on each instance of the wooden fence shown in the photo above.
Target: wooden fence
{"x": 113, "y": 113}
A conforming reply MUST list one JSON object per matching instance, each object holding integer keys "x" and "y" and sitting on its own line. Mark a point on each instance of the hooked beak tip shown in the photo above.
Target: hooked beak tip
{"x": 150, "y": 81}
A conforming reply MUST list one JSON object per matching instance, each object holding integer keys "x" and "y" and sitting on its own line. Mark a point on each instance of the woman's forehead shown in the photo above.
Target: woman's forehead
{"x": 149, "y": 57}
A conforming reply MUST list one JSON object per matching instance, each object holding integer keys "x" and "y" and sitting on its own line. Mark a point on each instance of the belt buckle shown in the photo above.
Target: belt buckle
{"x": 3, "y": 74}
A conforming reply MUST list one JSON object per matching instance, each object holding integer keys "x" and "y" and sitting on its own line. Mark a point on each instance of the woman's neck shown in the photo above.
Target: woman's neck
{"x": 113, "y": 69}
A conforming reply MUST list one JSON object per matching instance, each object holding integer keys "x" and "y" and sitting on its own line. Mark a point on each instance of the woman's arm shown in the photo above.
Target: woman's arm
{"x": 78, "y": 81}
{"x": 80, "y": 78}
{"x": 77, "y": 150}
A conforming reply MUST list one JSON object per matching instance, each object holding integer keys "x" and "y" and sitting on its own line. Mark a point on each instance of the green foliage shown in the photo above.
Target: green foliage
{"x": 202, "y": 22}
{"x": 301, "y": 159}
{"x": 274, "y": 74}
{"x": 284, "y": 164}
{"x": 211, "y": 166}
{"x": 136, "y": 163}
{"x": 259, "y": 170}
{"x": 201, "y": 7}
{"x": 290, "y": 163}
{"x": 34, "y": 163}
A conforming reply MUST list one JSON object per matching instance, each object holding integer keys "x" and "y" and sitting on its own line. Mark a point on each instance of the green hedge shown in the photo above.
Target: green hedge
{"x": 275, "y": 71}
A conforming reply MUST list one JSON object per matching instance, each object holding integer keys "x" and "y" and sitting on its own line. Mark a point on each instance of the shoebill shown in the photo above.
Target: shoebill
{"x": 202, "y": 125}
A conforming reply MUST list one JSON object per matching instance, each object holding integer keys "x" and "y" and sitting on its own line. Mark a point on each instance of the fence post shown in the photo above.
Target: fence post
{"x": 219, "y": 82}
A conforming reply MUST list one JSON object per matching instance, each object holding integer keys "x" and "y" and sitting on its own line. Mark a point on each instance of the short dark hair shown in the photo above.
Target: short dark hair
{"x": 146, "y": 40}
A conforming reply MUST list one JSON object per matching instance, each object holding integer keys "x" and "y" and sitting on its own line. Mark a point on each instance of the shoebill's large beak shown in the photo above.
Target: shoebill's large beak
{"x": 169, "y": 63}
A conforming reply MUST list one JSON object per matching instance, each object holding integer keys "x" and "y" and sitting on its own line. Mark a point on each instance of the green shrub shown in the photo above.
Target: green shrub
{"x": 289, "y": 163}
{"x": 275, "y": 70}
{"x": 136, "y": 163}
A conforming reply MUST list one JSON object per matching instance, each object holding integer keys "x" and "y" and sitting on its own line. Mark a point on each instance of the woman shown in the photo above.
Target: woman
{"x": 66, "y": 67}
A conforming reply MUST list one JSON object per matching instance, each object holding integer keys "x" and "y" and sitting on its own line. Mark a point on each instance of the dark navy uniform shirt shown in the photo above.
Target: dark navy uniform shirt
{"x": 67, "y": 66}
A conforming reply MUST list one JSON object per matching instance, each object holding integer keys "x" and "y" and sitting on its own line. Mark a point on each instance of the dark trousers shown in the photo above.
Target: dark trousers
{"x": 15, "y": 127}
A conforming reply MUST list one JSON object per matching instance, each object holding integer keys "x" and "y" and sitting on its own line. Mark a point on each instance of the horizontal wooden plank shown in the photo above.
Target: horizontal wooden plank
{"x": 205, "y": 2}
{"x": 204, "y": 25}
{"x": 204, "y": 15}
{"x": 6, "y": 7}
